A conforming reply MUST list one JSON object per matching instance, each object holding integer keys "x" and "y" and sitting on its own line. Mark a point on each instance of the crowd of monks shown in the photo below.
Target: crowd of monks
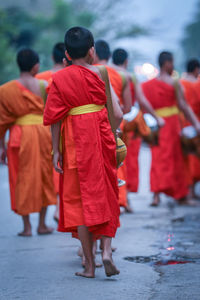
{"x": 62, "y": 150}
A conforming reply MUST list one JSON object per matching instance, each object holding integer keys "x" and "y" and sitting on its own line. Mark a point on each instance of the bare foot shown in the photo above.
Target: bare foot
{"x": 128, "y": 209}
{"x": 156, "y": 200}
{"x": 85, "y": 274}
{"x": 42, "y": 230}
{"x": 110, "y": 268}
{"x": 89, "y": 271}
{"x": 25, "y": 233}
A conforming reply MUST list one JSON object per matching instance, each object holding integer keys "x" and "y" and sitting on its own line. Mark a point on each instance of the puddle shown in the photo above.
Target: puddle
{"x": 156, "y": 260}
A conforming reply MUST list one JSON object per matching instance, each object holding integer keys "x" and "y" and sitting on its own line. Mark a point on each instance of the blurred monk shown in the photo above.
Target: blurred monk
{"x": 120, "y": 63}
{"x": 76, "y": 110}
{"x": 122, "y": 90}
{"x": 167, "y": 98}
{"x": 191, "y": 85}
{"x": 58, "y": 55}
{"x": 29, "y": 146}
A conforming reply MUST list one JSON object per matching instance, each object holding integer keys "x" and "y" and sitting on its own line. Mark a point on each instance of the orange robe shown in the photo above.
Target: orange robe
{"x": 117, "y": 84}
{"x": 29, "y": 150}
{"x": 47, "y": 75}
{"x": 192, "y": 94}
{"x": 167, "y": 175}
{"x": 89, "y": 191}
{"x": 132, "y": 163}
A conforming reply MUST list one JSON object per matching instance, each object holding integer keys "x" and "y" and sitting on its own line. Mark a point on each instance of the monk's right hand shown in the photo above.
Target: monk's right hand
{"x": 3, "y": 155}
{"x": 161, "y": 122}
{"x": 57, "y": 162}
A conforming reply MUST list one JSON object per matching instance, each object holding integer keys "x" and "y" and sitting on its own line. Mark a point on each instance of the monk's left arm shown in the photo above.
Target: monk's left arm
{"x": 57, "y": 156}
{"x": 146, "y": 105}
{"x": 127, "y": 97}
{"x": 118, "y": 114}
{"x": 186, "y": 109}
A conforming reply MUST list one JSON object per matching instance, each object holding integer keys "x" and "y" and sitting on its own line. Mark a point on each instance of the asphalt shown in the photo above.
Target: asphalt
{"x": 43, "y": 267}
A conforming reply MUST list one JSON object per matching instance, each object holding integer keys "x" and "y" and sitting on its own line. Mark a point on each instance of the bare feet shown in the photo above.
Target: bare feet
{"x": 85, "y": 274}
{"x": 89, "y": 271}
{"x": 42, "y": 230}
{"x": 110, "y": 268}
{"x": 25, "y": 233}
{"x": 128, "y": 209}
{"x": 156, "y": 200}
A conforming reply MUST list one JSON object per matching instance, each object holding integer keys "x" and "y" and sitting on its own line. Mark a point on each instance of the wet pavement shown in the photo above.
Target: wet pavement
{"x": 158, "y": 253}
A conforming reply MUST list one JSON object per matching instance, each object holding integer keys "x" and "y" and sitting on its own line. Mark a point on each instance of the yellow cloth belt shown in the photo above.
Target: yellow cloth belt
{"x": 85, "y": 109}
{"x": 30, "y": 119}
{"x": 167, "y": 111}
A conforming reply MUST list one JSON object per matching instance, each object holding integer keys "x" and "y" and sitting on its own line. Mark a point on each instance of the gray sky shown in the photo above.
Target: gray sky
{"x": 167, "y": 17}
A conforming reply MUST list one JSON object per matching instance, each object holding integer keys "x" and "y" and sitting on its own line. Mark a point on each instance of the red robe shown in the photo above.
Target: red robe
{"x": 89, "y": 191}
{"x": 167, "y": 175}
{"x": 29, "y": 150}
{"x": 192, "y": 94}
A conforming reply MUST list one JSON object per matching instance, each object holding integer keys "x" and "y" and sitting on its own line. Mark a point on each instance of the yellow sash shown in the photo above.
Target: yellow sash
{"x": 29, "y": 119}
{"x": 167, "y": 111}
{"x": 85, "y": 109}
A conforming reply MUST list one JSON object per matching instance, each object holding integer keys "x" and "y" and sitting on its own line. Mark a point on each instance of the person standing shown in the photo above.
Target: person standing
{"x": 167, "y": 98}
{"x": 29, "y": 147}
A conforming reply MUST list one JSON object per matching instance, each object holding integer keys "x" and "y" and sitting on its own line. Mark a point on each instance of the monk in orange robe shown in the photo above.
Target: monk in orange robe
{"x": 191, "y": 85}
{"x": 29, "y": 146}
{"x": 89, "y": 193}
{"x": 120, "y": 63}
{"x": 167, "y": 98}
{"x": 122, "y": 90}
{"x": 58, "y": 57}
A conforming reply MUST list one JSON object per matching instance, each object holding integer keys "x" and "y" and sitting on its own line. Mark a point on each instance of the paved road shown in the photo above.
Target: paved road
{"x": 41, "y": 268}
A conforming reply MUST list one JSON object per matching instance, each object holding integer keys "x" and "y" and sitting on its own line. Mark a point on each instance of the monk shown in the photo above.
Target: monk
{"x": 167, "y": 98}
{"x": 29, "y": 146}
{"x": 122, "y": 90}
{"x": 89, "y": 200}
{"x": 120, "y": 64}
{"x": 58, "y": 55}
{"x": 191, "y": 86}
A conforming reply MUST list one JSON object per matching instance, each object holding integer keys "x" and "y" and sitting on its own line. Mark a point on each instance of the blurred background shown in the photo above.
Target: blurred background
{"x": 143, "y": 27}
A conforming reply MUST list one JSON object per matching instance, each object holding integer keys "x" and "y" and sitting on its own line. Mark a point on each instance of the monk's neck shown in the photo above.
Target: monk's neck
{"x": 190, "y": 77}
{"x": 165, "y": 77}
{"x": 102, "y": 62}
{"x": 57, "y": 67}
{"x": 25, "y": 77}
{"x": 81, "y": 62}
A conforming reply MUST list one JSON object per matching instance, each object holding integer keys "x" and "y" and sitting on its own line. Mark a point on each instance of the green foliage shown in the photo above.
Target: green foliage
{"x": 18, "y": 28}
{"x": 191, "y": 41}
